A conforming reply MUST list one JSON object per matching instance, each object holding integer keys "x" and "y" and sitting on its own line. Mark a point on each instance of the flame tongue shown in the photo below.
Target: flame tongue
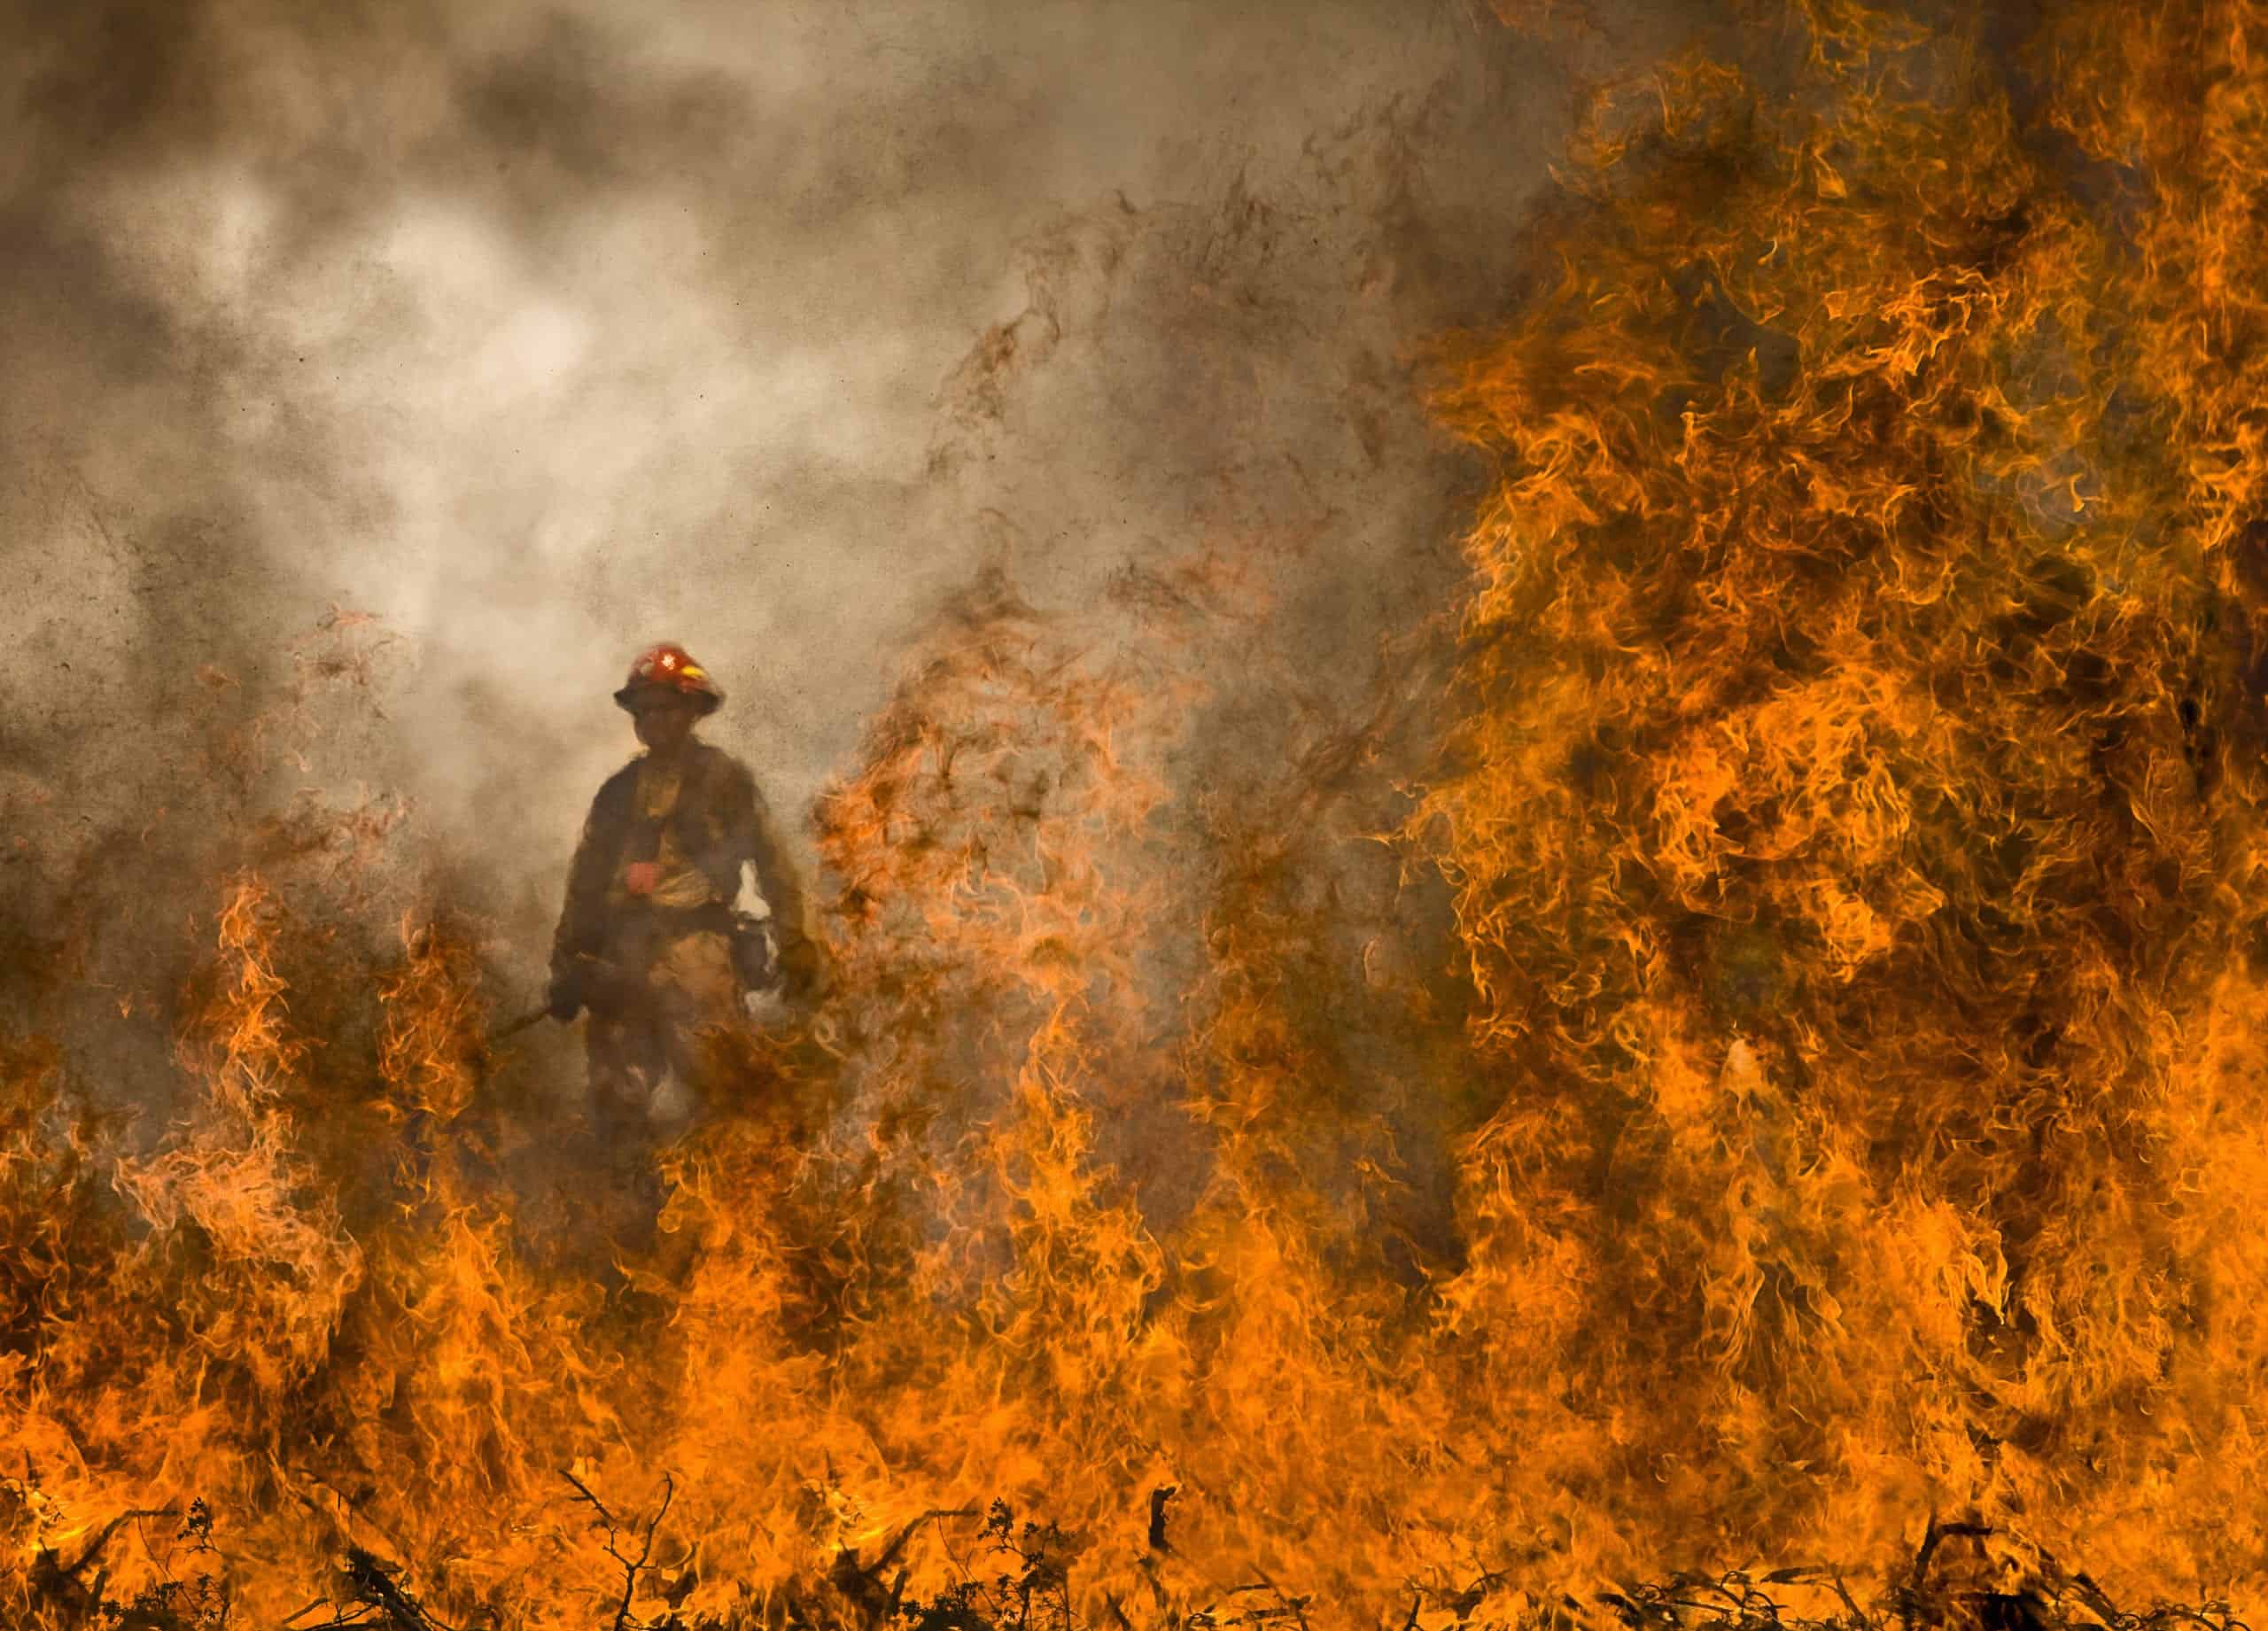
{"x": 1847, "y": 663}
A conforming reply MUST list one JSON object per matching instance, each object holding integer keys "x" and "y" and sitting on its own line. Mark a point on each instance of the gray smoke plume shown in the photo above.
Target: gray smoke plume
{"x": 541, "y": 333}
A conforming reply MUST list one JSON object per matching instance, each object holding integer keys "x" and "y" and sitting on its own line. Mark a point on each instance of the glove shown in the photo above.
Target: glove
{"x": 566, "y": 997}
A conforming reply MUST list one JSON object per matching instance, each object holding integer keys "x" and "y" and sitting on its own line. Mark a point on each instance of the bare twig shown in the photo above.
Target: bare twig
{"x": 1936, "y": 1533}
{"x": 109, "y": 1532}
{"x": 376, "y": 1584}
{"x": 890, "y": 1553}
{"x": 632, "y": 1567}
{"x": 597, "y": 1505}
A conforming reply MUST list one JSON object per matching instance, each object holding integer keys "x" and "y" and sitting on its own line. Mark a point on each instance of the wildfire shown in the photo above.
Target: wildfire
{"x": 1755, "y": 1066}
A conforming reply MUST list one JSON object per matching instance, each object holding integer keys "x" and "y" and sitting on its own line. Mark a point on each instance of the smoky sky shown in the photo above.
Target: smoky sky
{"x": 544, "y": 332}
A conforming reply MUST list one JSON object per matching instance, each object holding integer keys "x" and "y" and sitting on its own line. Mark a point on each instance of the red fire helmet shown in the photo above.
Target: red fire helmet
{"x": 671, "y": 668}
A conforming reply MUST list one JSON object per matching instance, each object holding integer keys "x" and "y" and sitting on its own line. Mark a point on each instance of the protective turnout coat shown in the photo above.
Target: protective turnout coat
{"x": 681, "y": 827}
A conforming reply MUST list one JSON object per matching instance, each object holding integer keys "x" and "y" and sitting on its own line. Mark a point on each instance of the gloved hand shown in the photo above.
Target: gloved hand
{"x": 566, "y": 997}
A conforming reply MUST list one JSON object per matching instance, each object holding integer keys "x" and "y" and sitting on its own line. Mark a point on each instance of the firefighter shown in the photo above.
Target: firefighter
{"x": 649, "y": 940}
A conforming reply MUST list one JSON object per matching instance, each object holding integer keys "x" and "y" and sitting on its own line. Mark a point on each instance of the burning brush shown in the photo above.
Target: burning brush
{"x": 1763, "y": 1053}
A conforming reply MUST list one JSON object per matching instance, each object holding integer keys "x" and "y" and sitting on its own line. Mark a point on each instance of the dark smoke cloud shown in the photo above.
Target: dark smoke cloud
{"x": 542, "y": 332}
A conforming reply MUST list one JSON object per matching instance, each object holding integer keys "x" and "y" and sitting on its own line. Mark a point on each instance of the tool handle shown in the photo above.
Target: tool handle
{"x": 532, "y": 1017}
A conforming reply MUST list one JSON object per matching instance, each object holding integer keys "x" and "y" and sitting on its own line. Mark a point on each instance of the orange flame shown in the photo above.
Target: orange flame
{"x": 1815, "y": 987}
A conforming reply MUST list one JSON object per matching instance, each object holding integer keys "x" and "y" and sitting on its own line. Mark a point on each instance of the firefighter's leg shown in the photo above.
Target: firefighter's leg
{"x": 699, "y": 992}
{"x": 700, "y": 1008}
{"x": 627, "y": 1060}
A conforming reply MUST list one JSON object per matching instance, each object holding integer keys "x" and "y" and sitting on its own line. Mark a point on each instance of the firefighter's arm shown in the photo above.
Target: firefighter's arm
{"x": 802, "y": 959}
{"x": 582, "y": 917}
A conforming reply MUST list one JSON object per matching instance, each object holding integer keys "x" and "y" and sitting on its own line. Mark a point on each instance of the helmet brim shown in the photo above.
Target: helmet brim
{"x": 704, "y": 702}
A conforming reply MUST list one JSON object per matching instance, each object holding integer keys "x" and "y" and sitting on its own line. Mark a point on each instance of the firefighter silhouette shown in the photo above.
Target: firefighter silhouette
{"x": 651, "y": 941}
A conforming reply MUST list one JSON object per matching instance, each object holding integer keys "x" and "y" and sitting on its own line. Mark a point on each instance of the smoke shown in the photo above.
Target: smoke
{"x": 541, "y": 333}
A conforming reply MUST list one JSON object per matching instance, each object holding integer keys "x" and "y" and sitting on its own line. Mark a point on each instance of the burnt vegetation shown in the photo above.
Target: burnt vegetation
{"x": 1003, "y": 1574}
